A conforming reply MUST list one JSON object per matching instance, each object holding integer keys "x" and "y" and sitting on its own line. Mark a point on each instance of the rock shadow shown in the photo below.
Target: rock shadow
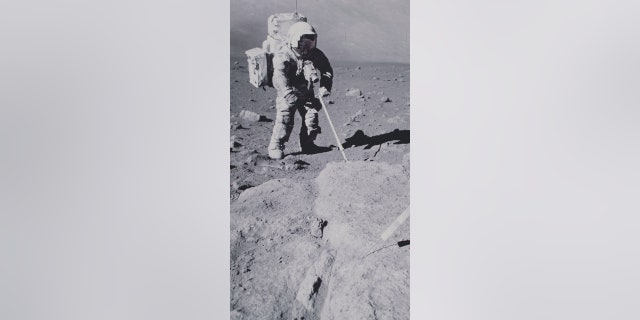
{"x": 361, "y": 139}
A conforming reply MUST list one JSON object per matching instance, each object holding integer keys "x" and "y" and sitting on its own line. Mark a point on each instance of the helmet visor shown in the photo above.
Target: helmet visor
{"x": 306, "y": 43}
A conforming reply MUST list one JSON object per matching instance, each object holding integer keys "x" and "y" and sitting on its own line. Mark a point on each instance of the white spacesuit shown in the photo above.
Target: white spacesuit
{"x": 296, "y": 67}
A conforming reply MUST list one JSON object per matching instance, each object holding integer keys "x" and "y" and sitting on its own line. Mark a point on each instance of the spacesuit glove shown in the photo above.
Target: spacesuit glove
{"x": 291, "y": 97}
{"x": 323, "y": 92}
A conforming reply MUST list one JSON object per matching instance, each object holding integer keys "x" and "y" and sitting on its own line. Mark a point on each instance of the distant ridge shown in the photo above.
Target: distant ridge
{"x": 349, "y": 30}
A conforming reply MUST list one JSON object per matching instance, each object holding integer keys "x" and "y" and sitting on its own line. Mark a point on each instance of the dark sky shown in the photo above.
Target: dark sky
{"x": 348, "y": 30}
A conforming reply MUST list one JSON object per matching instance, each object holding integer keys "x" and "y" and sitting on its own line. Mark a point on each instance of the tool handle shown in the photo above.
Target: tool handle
{"x": 333, "y": 129}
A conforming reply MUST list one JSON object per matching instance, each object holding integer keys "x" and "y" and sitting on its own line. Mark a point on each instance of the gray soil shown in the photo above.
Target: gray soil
{"x": 306, "y": 230}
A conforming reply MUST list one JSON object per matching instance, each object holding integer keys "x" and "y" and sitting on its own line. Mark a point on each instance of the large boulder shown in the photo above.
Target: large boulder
{"x": 313, "y": 249}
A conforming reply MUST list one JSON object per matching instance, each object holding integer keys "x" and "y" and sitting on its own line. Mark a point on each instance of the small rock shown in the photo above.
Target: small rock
{"x": 252, "y": 100}
{"x": 376, "y": 78}
{"x": 234, "y": 142}
{"x": 330, "y": 102}
{"x": 236, "y": 126}
{"x": 236, "y": 80}
{"x": 256, "y": 159}
{"x": 248, "y": 152}
{"x": 249, "y": 115}
{"x": 358, "y": 68}
{"x": 385, "y": 99}
{"x": 316, "y": 228}
{"x": 354, "y": 92}
{"x": 289, "y": 164}
{"x": 293, "y": 167}
{"x": 236, "y": 63}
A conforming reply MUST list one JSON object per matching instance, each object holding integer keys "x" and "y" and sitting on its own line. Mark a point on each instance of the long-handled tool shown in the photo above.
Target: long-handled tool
{"x": 388, "y": 232}
{"x": 332, "y": 128}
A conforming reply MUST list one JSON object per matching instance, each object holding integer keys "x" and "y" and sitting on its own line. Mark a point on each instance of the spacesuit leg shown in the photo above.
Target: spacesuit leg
{"x": 283, "y": 124}
{"x": 310, "y": 128}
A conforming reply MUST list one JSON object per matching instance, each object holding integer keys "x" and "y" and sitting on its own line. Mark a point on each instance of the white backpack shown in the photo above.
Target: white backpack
{"x": 260, "y": 60}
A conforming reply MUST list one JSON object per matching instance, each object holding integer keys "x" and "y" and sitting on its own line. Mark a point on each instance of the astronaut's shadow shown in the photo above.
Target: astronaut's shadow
{"x": 316, "y": 150}
{"x": 361, "y": 139}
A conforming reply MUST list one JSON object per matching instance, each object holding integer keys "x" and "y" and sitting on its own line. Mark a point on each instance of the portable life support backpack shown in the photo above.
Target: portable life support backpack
{"x": 260, "y": 60}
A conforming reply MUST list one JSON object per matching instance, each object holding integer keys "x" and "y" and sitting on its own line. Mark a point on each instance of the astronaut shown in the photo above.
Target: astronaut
{"x": 296, "y": 68}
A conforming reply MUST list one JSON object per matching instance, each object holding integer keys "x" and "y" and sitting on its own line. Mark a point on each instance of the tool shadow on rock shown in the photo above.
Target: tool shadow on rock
{"x": 361, "y": 139}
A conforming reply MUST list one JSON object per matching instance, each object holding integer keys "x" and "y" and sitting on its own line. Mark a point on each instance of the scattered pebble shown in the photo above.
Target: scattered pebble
{"x": 353, "y": 92}
{"x": 241, "y": 186}
{"x": 316, "y": 227}
{"x": 236, "y": 126}
{"x": 234, "y": 142}
{"x": 249, "y": 115}
{"x": 256, "y": 159}
{"x": 358, "y": 68}
{"x": 354, "y": 117}
{"x": 385, "y": 99}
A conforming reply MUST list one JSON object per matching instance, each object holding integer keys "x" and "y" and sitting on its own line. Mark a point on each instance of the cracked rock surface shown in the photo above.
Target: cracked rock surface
{"x": 281, "y": 270}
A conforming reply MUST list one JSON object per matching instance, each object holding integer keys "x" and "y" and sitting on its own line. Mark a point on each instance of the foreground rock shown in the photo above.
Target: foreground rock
{"x": 249, "y": 116}
{"x": 312, "y": 249}
{"x": 354, "y": 92}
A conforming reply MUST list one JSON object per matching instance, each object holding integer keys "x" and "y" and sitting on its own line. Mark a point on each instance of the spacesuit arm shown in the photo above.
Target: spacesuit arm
{"x": 280, "y": 81}
{"x": 326, "y": 71}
